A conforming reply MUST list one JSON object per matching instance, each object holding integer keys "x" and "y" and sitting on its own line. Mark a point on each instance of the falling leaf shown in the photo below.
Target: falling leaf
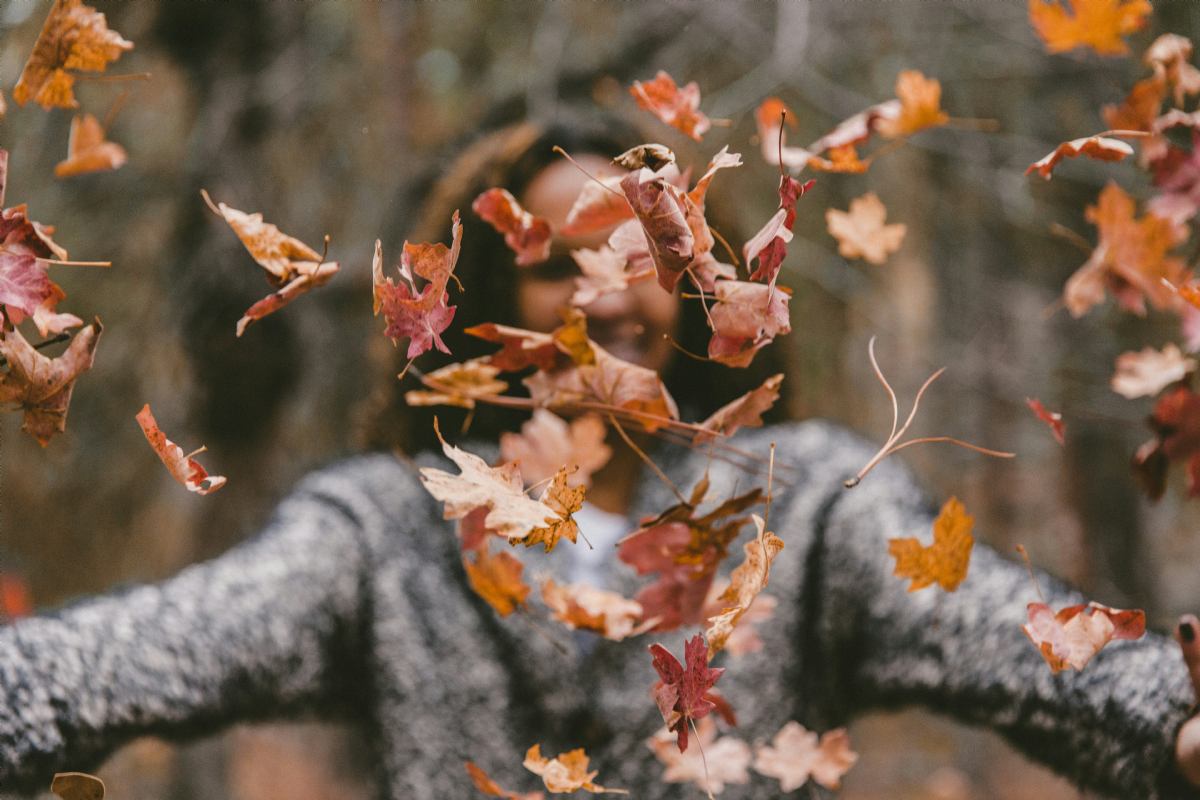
{"x": 459, "y": 385}
{"x": 74, "y": 37}
{"x": 25, "y": 288}
{"x": 182, "y": 467}
{"x": 88, "y": 150}
{"x": 769, "y": 118}
{"x": 526, "y": 235}
{"x": 651, "y": 156}
{"x": 769, "y": 245}
{"x": 512, "y": 514}
{"x": 1176, "y": 425}
{"x": 660, "y": 209}
{"x": 565, "y": 500}
{"x": 605, "y": 271}
{"x": 746, "y": 317}
{"x": 1148, "y": 372}
{"x": 41, "y": 386}
{"x": 682, "y": 693}
{"x": 291, "y": 265}
{"x": 1170, "y": 56}
{"x": 1130, "y": 259}
{"x": 519, "y": 348}
{"x": 420, "y": 317}
{"x": 920, "y": 106}
{"x": 1140, "y": 108}
{"x": 744, "y": 639}
{"x": 1098, "y": 24}
{"x": 861, "y": 232}
{"x": 1053, "y": 419}
{"x": 586, "y": 608}
{"x": 16, "y": 598}
{"x": 1068, "y": 639}
{"x": 724, "y": 760}
{"x": 795, "y": 755}
{"x": 744, "y": 412}
{"x": 843, "y": 159}
{"x": 745, "y": 584}
{"x": 547, "y": 443}
{"x": 77, "y": 785}
{"x": 1100, "y": 148}
{"x": 497, "y": 579}
{"x": 565, "y": 773}
{"x": 945, "y": 561}
{"x": 600, "y": 205}
{"x": 485, "y": 784}
{"x": 678, "y": 106}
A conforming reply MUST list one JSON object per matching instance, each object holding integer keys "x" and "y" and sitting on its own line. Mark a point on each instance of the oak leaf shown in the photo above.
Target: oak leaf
{"x": 183, "y": 467}
{"x": 1069, "y": 638}
{"x": 88, "y": 150}
{"x": 1053, "y": 419}
{"x": 565, "y": 773}
{"x": 683, "y": 692}
{"x": 547, "y": 443}
{"x": 42, "y": 386}
{"x": 1101, "y": 148}
{"x": 512, "y": 514}
{"x": 526, "y": 235}
{"x": 861, "y": 232}
{"x": 945, "y": 561}
{"x": 74, "y": 37}
{"x": 745, "y": 584}
{"x": 291, "y": 265}
{"x": 744, "y": 412}
{"x": 920, "y": 106}
{"x": 587, "y": 608}
{"x": 484, "y": 783}
{"x": 497, "y": 579}
{"x": 724, "y": 761}
{"x": 459, "y": 385}
{"x": 1098, "y": 24}
{"x": 1147, "y": 372}
{"x": 795, "y": 755}
{"x": 422, "y": 316}
{"x": 678, "y": 106}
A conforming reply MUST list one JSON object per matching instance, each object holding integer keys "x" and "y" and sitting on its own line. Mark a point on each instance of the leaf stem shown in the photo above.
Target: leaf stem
{"x": 649, "y": 461}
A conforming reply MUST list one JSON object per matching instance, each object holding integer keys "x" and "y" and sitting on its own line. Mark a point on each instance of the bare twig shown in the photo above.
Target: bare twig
{"x": 649, "y": 461}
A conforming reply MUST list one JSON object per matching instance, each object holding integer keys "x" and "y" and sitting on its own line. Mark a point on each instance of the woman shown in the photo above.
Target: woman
{"x": 353, "y": 601}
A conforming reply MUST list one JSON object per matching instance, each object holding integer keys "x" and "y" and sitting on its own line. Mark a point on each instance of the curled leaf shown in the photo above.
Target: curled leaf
{"x": 565, "y": 773}
{"x": 586, "y": 608}
{"x": 1069, "y": 638}
{"x": 744, "y": 412}
{"x": 74, "y": 37}
{"x": 1101, "y": 148}
{"x": 1053, "y": 419}
{"x": 526, "y": 235}
{"x": 459, "y": 385}
{"x": 484, "y": 783}
{"x": 41, "y": 386}
{"x": 88, "y": 150}
{"x": 182, "y": 467}
{"x": 1147, "y": 372}
{"x": 678, "y": 106}
{"x": 745, "y": 584}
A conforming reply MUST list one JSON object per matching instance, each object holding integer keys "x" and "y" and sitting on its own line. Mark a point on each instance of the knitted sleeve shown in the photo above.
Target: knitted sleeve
{"x": 1110, "y": 728}
{"x": 269, "y": 628}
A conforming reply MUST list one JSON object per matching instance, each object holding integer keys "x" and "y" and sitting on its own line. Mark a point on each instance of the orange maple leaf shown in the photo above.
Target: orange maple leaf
{"x": 945, "y": 561}
{"x": 497, "y": 579}
{"x": 587, "y": 608}
{"x": 920, "y": 106}
{"x": 88, "y": 150}
{"x": 678, "y": 106}
{"x": 861, "y": 232}
{"x": 565, "y": 773}
{"x": 565, "y": 500}
{"x": 1098, "y": 24}
{"x": 484, "y": 783}
{"x": 459, "y": 385}
{"x": 74, "y": 37}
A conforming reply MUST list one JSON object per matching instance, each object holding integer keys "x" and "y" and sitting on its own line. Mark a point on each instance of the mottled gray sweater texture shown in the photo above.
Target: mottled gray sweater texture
{"x": 352, "y": 602}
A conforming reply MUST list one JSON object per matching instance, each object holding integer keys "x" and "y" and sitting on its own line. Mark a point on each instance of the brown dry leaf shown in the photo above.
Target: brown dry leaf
{"x": 74, "y": 36}
{"x": 497, "y": 579}
{"x": 547, "y": 443}
{"x": 1098, "y": 24}
{"x": 291, "y": 265}
{"x": 920, "y": 106}
{"x": 512, "y": 514}
{"x": 88, "y": 150}
{"x": 745, "y": 584}
{"x": 861, "y": 232}
{"x": 746, "y": 318}
{"x": 1069, "y": 639}
{"x": 652, "y": 156}
{"x": 795, "y": 755}
{"x": 1130, "y": 260}
{"x": 744, "y": 639}
{"x": 586, "y": 608}
{"x": 1147, "y": 372}
{"x": 459, "y": 385}
{"x": 1100, "y": 148}
{"x": 42, "y": 386}
{"x": 712, "y": 765}
{"x": 182, "y": 467}
{"x": 77, "y": 786}
{"x": 663, "y": 215}
{"x": 484, "y": 783}
{"x": 945, "y": 561}
{"x": 565, "y": 500}
{"x": 565, "y": 773}
{"x": 678, "y": 106}
{"x": 744, "y": 412}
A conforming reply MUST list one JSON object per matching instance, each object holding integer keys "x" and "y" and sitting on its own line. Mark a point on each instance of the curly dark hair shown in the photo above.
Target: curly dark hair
{"x": 510, "y": 155}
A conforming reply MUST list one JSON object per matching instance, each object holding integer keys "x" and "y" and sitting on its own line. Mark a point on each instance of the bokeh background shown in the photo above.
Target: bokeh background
{"x": 323, "y": 114}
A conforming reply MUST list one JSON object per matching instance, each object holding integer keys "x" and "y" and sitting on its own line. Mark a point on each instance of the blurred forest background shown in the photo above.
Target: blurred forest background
{"x": 322, "y": 115}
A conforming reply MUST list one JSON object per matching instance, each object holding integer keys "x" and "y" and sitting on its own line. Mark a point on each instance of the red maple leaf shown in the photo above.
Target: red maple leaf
{"x": 769, "y": 245}
{"x": 418, "y": 316}
{"x": 682, "y": 693}
{"x": 1176, "y": 424}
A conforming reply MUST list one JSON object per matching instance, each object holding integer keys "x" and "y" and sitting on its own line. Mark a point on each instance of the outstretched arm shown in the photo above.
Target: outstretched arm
{"x": 1111, "y": 727}
{"x": 270, "y": 627}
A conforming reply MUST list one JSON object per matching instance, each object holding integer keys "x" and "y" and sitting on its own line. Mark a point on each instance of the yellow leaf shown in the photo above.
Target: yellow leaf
{"x": 945, "y": 561}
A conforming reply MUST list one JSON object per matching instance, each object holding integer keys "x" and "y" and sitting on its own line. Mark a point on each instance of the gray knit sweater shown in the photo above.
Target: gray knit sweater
{"x": 352, "y": 601}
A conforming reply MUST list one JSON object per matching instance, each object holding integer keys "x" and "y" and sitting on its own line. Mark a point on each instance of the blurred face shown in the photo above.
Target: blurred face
{"x": 628, "y": 324}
